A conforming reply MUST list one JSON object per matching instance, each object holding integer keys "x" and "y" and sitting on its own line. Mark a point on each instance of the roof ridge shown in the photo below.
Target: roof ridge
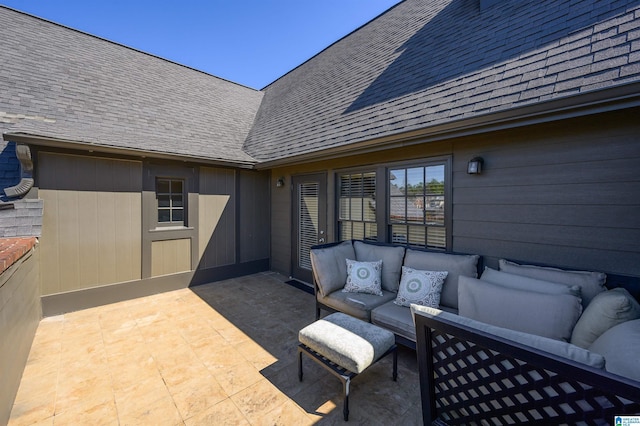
{"x": 334, "y": 43}
{"x": 125, "y": 46}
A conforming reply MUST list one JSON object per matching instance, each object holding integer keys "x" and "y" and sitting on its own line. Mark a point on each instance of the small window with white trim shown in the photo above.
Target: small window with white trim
{"x": 171, "y": 205}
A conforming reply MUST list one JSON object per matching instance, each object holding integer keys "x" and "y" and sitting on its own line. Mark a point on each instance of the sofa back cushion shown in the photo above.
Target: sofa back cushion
{"x": 620, "y": 346}
{"x": 591, "y": 283}
{"x": 391, "y": 261}
{"x": 605, "y": 311}
{"x": 330, "y": 266}
{"x": 563, "y": 349}
{"x": 455, "y": 264}
{"x": 520, "y": 282}
{"x": 546, "y": 315}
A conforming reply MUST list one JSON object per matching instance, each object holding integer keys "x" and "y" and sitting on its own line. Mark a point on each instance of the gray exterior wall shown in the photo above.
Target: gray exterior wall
{"x": 20, "y": 313}
{"x": 563, "y": 193}
{"x": 101, "y": 242}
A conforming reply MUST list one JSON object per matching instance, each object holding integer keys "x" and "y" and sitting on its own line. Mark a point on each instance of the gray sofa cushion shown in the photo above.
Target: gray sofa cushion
{"x": 547, "y": 315}
{"x": 456, "y": 264}
{"x": 563, "y": 349}
{"x": 605, "y": 311}
{"x": 348, "y": 342}
{"x": 358, "y": 305}
{"x": 591, "y": 283}
{"x": 330, "y": 266}
{"x": 620, "y": 346}
{"x": 520, "y": 282}
{"x": 391, "y": 261}
{"x": 395, "y": 318}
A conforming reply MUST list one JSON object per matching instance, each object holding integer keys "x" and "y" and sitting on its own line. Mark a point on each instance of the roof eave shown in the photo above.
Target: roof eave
{"x": 588, "y": 103}
{"x": 51, "y": 142}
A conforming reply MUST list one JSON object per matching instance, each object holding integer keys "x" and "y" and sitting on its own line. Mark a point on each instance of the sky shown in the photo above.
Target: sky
{"x": 250, "y": 42}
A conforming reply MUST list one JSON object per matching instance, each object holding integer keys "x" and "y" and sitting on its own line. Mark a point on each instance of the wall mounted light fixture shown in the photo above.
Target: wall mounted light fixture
{"x": 475, "y": 166}
{"x": 280, "y": 182}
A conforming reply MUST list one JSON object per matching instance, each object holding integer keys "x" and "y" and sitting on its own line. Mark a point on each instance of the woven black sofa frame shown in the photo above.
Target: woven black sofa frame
{"x": 471, "y": 377}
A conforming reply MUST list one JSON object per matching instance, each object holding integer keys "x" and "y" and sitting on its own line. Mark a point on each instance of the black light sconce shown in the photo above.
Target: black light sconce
{"x": 475, "y": 166}
{"x": 280, "y": 182}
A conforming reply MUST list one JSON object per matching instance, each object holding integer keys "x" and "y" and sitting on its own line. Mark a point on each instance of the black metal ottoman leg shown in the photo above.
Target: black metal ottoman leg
{"x": 299, "y": 364}
{"x": 346, "y": 381}
{"x": 395, "y": 364}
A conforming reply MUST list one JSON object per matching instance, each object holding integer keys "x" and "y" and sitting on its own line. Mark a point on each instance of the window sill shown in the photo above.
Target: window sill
{"x": 171, "y": 228}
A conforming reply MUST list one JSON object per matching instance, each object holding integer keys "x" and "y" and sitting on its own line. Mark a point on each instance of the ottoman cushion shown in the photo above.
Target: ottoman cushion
{"x": 349, "y": 342}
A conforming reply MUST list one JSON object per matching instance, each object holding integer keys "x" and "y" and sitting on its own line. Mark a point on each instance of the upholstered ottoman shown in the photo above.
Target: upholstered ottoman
{"x": 345, "y": 346}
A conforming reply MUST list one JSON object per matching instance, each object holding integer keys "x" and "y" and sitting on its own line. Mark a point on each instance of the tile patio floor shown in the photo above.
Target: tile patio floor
{"x": 218, "y": 354}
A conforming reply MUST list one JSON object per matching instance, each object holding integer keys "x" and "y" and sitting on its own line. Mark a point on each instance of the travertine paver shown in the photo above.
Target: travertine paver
{"x": 222, "y": 353}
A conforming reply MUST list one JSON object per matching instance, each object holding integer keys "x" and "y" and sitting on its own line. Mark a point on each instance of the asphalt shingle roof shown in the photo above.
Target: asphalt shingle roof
{"x": 64, "y": 84}
{"x": 419, "y": 65}
{"x": 425, "y": 63}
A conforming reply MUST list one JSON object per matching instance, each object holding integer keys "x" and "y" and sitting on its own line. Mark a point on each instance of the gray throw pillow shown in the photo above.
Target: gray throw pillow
{"x": 520, "y": 282}
{"x": 591, "y": 283}
{"x": 620, "y": 346}
{"x": 420, "y": 287}
{"x": 547, "y": 315}
{"x": 391, "y": 261}
{"x": 364, "y": 277}
{"x": 605, "y": 311}
{"x": 330, "y": 266}
{"x": 455, "y": 264}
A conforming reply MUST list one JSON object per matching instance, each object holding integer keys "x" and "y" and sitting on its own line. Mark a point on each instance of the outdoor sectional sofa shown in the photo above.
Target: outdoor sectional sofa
{"x": 520, "y": 344}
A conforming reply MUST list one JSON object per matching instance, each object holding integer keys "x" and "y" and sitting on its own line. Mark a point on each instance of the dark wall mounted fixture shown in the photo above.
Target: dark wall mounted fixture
{"x": 475, "y": 166}
{"x": 280, "y": 182}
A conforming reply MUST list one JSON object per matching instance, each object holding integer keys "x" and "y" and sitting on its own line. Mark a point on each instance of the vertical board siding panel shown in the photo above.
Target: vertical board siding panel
{"x": 217, "y": 219}
{"x": 254, "y": 223}
{"x": 68, "y": 210}
{"x": 94, "y": 232}
{"x": 281, "y": 221}
{"x": 90, "y": 242}
{"x": 49, "y": 251}
{"x": 107, "y": 225}
{"x": 170, "y": 256}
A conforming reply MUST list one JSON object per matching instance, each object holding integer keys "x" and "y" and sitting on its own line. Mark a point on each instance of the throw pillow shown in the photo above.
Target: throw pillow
{"x": 420, "y": 287}
{"x": 620, "y": 346}
{"x": 546, "y": 315}
{"x": 391, "y": 260}
{"x": 455, "y": 264}
{"x": 329, "y": 267}
{"x": 591, "y": 283}
{"x": 605, "y": 311}
{"x": 520, "y": 282}
{"x": 364, "y": 277}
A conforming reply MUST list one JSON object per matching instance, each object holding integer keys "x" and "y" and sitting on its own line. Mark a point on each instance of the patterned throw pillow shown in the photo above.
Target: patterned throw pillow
{"x": 364, "y": 277}
{"x": 420, "y": 287}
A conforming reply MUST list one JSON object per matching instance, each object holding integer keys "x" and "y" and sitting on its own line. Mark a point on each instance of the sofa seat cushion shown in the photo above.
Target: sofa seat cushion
{"x": 358, "y": 305}
{"x": 620, "y": 346}
{"x": 395, "y": 318}
{"x": 559, "y": 348}
{"x": 546, "y": 315}
{"x": 605, "y": 311}
{"x": 391, "y": 257}
{"x": 330, "y": 266}
{"x": 455, "y": 264}
{"x": 591, "y": 283}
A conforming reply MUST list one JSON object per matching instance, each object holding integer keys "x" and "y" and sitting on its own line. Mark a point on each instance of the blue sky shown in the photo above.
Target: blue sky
{"x": 251, "y": 42}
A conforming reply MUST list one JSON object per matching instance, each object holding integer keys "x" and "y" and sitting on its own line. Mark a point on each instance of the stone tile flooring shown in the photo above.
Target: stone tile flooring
{"x": 221, "y": 353}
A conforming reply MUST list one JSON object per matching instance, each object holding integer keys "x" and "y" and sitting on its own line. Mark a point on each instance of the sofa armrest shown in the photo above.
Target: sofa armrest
{"x": 463, "y": 370}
